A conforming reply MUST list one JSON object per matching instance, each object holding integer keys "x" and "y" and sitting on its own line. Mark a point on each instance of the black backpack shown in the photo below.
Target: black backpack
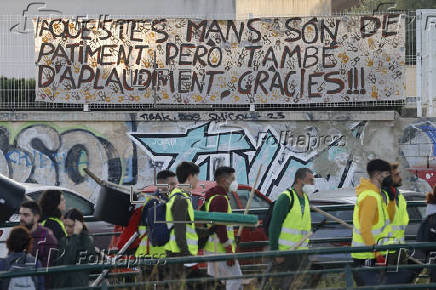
{"x": 268, "y": 215}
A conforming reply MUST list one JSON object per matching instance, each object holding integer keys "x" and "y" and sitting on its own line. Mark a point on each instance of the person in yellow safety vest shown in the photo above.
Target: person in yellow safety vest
{"x": 290, "y": 222}
{"x": 223, "y": 239}
{"x": 371, "y": 220}
{"x": 52, "y": 203}
{"x": 166, "y": 181}
{"x": 400, "y": 219}
{"x": 180, "y": 217}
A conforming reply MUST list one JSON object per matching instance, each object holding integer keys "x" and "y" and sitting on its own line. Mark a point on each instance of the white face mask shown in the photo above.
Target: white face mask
{"x": 308, "y": 188}
{"x": 233, "y": 186}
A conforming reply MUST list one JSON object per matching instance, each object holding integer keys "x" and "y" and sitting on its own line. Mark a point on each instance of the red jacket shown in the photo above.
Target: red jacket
{"x": 218, "y": 204}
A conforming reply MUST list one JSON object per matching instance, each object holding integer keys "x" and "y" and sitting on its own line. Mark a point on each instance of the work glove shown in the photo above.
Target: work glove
{"x": 229, "y": 250}
{"x": 380, "y": 260}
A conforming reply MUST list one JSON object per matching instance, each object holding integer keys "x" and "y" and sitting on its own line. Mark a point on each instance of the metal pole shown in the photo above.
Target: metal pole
{"x": 348, "y": 277}
{"x": 156, "y": 79}
{"x": 418, "y": 64}
{"x": 114, "y": 259}
{"x": 430, "y": 71}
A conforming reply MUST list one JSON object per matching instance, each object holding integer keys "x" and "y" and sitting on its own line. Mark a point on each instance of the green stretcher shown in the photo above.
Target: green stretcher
{"x": 225, "y": 218}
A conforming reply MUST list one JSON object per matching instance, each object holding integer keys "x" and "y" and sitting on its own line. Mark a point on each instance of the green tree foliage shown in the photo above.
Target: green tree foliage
{"x": 14, "y": 90}
{"x": 371, "y": 5}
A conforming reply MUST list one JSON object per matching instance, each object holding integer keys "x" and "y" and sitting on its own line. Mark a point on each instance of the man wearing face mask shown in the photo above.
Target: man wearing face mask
{"x": 398, "y": 216}
{"x": 371, "y": 220}
{"x": 216, "y": 200}
{"x": 290, "y": 222}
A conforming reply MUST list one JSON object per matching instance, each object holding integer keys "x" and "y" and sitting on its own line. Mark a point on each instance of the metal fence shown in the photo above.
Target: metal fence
{"x": 17, "y": 91}
{"x": 346, "y": 268}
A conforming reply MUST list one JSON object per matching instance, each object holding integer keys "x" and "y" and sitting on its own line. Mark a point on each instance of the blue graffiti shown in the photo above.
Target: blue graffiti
{"x": 431, "y": 133}
{"x": 243, "y": 155}
{"x": 196, "y": 142}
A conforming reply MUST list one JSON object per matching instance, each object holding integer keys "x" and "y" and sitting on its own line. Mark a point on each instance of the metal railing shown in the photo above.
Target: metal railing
{"x": 267, "y": 254}
{"x": 338, "y": 207}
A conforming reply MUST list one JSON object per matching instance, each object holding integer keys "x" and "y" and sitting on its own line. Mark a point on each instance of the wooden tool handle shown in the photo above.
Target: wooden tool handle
{"x": 326, "y": 214}
{"x": 94, "y": 177}
{"x": 247, "y": 207}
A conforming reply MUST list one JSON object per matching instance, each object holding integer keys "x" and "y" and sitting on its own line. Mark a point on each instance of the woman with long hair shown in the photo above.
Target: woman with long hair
{"x": 76, "y": 248}
{"x": 52, "y": 205}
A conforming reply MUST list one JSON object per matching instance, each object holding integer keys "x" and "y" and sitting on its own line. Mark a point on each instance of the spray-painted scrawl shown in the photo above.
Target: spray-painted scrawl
{"x": 212, "y": 144}
{"x": 41, "y": 154}
{"x": 126, "y": 152}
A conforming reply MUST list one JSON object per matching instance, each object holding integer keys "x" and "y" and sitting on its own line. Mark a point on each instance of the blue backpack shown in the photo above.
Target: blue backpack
{"x": 157, "y": 228}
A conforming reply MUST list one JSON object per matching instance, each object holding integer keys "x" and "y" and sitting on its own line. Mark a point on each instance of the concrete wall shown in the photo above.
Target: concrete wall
{"x": 125, "y": 147}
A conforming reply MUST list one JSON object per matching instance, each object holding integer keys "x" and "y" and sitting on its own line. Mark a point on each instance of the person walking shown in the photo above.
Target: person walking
{"x": 371, "y": 220}
{"x": 290, "y": 223}
{"x": 399, "y": 217}
{"x": 166, "y": 182}
{"x": 223, "y": 240}
{"x": 183, "y": 239}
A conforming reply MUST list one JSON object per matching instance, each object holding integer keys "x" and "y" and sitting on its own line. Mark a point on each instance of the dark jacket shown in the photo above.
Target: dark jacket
{"x": 30, "y": 263}
{"x": 75, "y": 249}
{"x": 180, "y": 213}
{"x": 43, "y": 241}
{"x": 427, "y": 233}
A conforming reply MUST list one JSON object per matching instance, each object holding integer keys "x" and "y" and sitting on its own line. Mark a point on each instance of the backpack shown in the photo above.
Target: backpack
{"x": 155, "y": 220}
{"x": 131, "y": 228}
{"x": 267, "y": 219}
{"x": 23, "y": 282}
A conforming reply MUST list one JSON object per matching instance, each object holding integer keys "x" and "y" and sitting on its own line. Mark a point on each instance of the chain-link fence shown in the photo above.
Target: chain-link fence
{"x": 18, "y": 71}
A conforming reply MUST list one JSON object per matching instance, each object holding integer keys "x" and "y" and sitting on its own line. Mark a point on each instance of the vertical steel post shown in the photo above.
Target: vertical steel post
{"x": 418, "y": 64}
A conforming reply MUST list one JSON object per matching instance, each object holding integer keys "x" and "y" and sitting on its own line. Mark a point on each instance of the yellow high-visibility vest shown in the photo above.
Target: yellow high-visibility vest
{"x": 381, "y": 231}
{"x": 61, "y": 224}
{"x": 296, "y": 224}
{"x": 401, "y": 218}
{"x": 210, "y": 246}
{"x": 191, "y": 234}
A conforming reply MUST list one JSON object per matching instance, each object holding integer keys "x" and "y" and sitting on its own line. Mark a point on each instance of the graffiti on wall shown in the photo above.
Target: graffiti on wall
{"x": 278, "y": 153}
{"x": 127, "y": 152}
{"x": 187, "y": 61}
{"x": 417, "y": 145}
{"x": 42, "y": 154}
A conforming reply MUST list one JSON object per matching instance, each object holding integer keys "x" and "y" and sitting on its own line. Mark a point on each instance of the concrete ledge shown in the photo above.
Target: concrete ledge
{"x": 189, "y": 116}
